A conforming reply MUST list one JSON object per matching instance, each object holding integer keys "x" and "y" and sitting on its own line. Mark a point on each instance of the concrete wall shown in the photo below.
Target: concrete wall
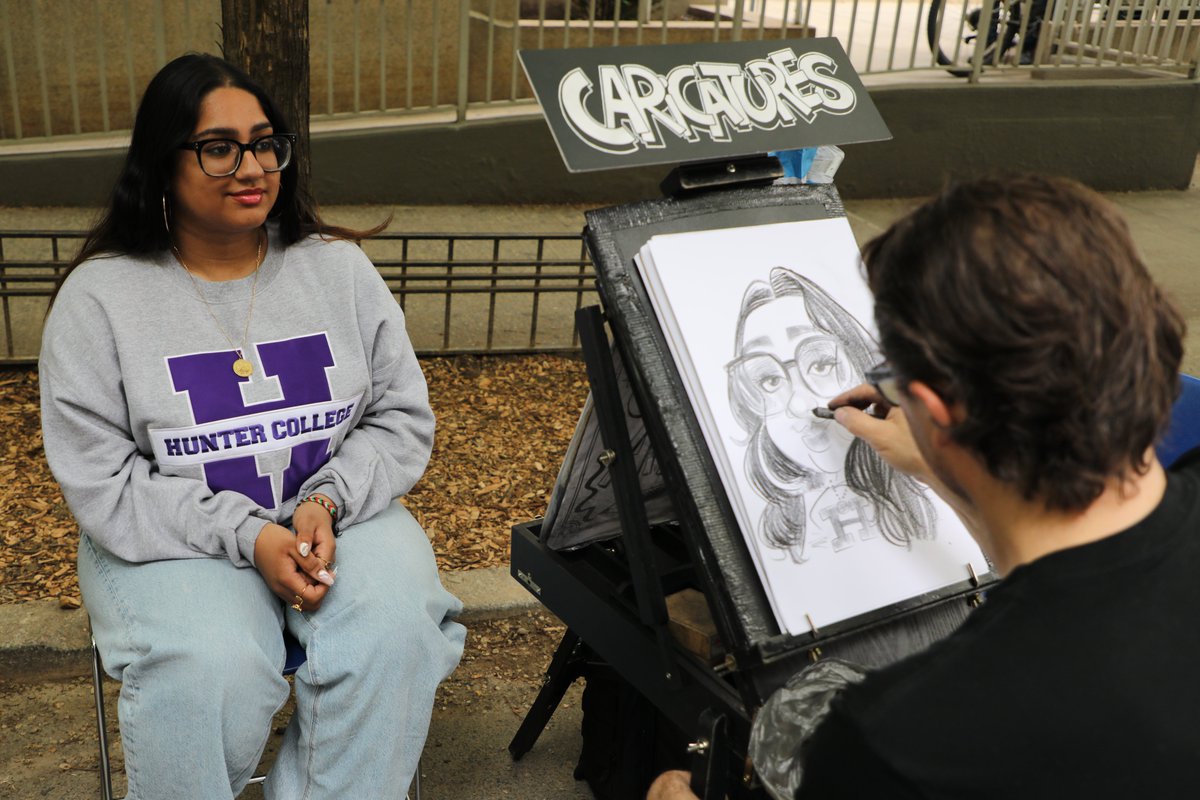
{"x": 1120, "y": 135}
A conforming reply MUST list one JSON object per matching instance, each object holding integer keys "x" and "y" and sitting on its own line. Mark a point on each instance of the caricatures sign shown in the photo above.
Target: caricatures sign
{"x": 611, "y": 107}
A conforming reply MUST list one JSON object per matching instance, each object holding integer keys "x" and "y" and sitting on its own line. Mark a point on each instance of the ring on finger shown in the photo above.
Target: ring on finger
{"x": 299, "y": 604}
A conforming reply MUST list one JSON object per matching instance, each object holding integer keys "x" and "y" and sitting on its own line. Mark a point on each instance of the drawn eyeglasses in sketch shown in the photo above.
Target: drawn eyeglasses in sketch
{"x": 796, "y": 348}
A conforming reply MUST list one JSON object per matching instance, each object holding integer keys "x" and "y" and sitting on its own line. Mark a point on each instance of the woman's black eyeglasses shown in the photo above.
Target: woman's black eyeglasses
{"x": 885, "y": 382}
{"x": 220, "y": 158}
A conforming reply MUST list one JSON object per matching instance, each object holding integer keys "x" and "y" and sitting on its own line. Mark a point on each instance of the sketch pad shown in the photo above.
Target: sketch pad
{"x": 763, "y": 323}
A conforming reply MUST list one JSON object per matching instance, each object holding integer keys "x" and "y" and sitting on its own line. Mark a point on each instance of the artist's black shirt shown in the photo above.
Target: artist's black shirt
{"x": 1079, "y": 677}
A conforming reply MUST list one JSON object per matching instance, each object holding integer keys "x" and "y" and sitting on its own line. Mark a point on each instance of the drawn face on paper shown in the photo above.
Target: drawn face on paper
{"x": 790, "y": 367}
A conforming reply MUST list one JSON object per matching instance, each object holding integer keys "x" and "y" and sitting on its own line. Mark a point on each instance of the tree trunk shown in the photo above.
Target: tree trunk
{"x": 269, "y": 40}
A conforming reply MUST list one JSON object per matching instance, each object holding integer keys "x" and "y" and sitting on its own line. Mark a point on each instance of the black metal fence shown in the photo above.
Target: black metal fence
{"x": 494, "y": 293}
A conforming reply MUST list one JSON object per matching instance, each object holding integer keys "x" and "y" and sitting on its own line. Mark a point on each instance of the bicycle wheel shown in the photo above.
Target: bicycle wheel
{"x": 952, "y": 28}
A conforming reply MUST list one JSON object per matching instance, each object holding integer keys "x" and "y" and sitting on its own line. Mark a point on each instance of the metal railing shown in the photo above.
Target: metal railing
{"x": 78, "y": 66}
{"x": 494, "y": 293}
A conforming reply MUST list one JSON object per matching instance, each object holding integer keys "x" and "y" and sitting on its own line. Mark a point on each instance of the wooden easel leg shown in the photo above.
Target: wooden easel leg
{"x": 565, "y": 667}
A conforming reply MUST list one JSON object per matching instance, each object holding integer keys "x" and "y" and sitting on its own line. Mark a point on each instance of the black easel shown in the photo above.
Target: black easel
{"x": 571, "y": 655}
{"x": 646, "y": 579}
{"x": 633, "y": 617}
{"x": 611, "y": 594}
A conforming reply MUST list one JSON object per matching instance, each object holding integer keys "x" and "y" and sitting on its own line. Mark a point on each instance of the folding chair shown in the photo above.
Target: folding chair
{"x": 1183, "y": 434}
{"x": 293, "y": 661}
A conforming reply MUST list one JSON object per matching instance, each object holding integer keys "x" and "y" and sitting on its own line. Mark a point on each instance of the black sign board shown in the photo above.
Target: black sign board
{"x": 611, "y": 107}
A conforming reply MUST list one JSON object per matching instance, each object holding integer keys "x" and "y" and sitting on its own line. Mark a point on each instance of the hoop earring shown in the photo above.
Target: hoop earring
{"x": 166, "y": 224}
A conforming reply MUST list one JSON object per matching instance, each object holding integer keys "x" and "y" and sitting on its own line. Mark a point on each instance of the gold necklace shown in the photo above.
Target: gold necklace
{"x": 241, "y": 367}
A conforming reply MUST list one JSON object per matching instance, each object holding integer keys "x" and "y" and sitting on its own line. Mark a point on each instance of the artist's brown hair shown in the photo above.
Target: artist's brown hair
{"x": 1025, "y": 299}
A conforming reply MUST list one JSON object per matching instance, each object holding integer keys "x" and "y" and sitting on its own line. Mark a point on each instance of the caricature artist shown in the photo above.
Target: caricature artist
{"x": 1032, "y": 364}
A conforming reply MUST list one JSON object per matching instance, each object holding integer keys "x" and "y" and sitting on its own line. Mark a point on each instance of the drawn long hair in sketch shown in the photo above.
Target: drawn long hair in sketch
{"x": 796, "y": 349}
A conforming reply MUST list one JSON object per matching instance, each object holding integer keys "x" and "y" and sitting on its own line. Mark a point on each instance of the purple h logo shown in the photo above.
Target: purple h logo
{"x": 214, "y": 394}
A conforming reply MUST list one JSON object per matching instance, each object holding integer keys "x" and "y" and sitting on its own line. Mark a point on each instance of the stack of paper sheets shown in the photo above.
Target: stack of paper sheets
{"x": 764, "y": 324}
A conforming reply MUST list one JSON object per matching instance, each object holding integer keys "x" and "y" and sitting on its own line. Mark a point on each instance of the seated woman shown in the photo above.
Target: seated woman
{"x": 231, "y": 404}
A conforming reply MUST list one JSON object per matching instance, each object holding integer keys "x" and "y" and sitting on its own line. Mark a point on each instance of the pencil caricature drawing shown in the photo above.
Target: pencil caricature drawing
{"x": 795, "y": 349}
{"x": 766, "y": 323}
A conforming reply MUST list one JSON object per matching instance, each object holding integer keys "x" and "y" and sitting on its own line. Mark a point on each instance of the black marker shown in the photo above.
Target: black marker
{"x": 827, "y": 413}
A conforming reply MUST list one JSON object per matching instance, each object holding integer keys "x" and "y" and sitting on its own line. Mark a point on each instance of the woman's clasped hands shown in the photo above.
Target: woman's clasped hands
{"x": 299, "y": 567}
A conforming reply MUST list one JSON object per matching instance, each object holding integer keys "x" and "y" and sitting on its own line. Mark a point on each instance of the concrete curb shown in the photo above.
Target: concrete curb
{"x": 41, "y": 641}
{"x": 490, "y": 593}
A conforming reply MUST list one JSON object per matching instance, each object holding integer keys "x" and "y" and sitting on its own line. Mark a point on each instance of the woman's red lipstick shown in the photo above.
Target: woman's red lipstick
{"x": 249, "y": 197}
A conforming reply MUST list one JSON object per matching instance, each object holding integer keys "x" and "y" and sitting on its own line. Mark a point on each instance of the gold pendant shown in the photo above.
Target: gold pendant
{"x": 243, "y": 368}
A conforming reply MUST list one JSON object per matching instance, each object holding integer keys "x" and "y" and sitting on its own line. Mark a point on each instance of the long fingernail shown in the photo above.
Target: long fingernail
{"x": 304, "y": 549}
{"x": 324, "y": 577}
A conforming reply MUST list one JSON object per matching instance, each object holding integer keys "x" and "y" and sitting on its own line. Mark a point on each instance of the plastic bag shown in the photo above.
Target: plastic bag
{"x": 789, "y": 717}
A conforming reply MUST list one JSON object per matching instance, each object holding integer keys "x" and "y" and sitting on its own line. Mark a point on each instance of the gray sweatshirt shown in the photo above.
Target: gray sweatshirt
{"x": 162, "y": 451}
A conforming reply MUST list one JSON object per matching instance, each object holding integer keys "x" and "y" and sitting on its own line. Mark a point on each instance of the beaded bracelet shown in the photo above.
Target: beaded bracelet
{"x": 323, "y": 503}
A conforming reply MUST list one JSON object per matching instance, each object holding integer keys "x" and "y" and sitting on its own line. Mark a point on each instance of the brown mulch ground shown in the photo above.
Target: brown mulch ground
{"x": 503, "y": 426}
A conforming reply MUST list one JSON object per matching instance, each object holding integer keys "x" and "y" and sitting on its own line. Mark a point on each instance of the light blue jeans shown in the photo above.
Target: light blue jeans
{"x": 196, "y": 644}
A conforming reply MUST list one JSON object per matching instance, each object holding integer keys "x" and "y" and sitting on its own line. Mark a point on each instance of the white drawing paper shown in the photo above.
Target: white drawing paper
{"x": 766, "y": 323}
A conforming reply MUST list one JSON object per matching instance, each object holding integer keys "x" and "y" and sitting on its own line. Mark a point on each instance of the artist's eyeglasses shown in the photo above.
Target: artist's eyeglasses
{"x": 765, "y": 383}
{"x": 220, "y": 158}
{"x": 884, "y": 379}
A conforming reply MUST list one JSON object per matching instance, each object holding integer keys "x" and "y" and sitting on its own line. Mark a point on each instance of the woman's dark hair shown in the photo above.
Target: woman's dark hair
{"x": 902, "y": 512}
{"x": 1025, "y": 300}
{"x": 133, "y": 222}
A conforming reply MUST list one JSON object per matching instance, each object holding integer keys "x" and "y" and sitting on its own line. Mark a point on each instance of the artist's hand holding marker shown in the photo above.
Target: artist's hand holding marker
{"x": 865, "y": 413}
{"x": 296, "y": 566}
